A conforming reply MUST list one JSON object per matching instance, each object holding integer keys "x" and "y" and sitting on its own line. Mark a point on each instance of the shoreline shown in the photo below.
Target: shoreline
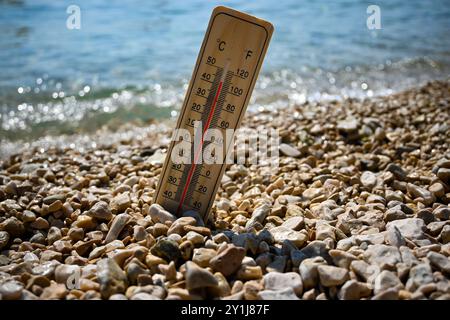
{"x": 358, "y": 209}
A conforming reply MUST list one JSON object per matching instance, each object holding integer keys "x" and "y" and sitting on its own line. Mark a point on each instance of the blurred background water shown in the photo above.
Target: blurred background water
{"x": 132, "y": 60}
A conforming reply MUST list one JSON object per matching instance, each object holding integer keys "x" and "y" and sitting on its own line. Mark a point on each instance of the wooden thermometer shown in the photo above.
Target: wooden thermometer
{"x": 222, "y": 82}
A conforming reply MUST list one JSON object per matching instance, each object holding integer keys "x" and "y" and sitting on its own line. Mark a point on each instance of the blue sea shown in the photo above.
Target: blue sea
{"x": 131, "y": 60}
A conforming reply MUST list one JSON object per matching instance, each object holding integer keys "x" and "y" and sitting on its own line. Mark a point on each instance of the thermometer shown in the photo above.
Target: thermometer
{"x": 224, "y": 76}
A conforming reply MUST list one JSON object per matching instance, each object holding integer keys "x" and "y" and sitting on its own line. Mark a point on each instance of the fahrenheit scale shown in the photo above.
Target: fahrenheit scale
{"x": 222, "y": 82}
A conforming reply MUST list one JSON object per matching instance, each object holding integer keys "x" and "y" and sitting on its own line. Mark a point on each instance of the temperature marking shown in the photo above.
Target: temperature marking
{"x": 218, "y": 94}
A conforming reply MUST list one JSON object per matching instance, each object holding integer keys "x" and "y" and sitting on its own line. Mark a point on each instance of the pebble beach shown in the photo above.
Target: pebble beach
{"x": 357, "y": 209}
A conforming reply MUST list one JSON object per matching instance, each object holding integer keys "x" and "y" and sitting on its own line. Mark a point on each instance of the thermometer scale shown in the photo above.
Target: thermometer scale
{"x": 218, "y": 94}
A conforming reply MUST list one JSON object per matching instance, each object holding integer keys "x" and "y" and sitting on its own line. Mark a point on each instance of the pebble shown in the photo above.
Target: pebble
{"x": 158, "y": 214}
{"x": 228, "y": 260}
{"x": 11, "y": 290}
{"x": 289, "y": 151}
{"x": 354, "y": 290}
{"x": 411, "y": 228}
{"x": 203, "y": 256}
{"x": 278, "y": 281}
{"x": 4, "y": 239}
{"x": 120, "y": 203}
{"x": 439, "y": 261}
{"x": 197, "y": 277}
{"x": 117, "y": 226}
{"x": 284, "y": 294}
{"x": 332, "y": 276}
{"x": 281, "y": 234}
{"x": 179, "y": 224}
{"x": 387, "y": 280}
{"x": 368, "y": 179}
{"x": 111, "y": 277}
{"x": 100, "y": 211}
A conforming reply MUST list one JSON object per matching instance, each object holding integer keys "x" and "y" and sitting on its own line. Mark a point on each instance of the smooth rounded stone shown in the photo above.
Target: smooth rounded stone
{"x": 13, "y": 226}
{"x": 294, "y": 223}
{"x": 166, "y": 249}
{"x": 442, "y": 213}
{"x": 398, "y": 171}
{"x": 64, "y": 271}
{"x": 195, "y": 215}
{"x": 312, "y": 193}
{"x": 394, "y": 237}
{"x": 39, "y": 281}
{"x": 289, "y": 151}
{"x": 386, "y": 280}
{"x": 139, "y": 233}
{"x": 118, "y": 296}
{"x": 386, "y": 257}
{"x": 258, "y": 215}
{"x": 348, "y": 125}
{"x": 252, "y": 289}
{"x": 426, "y": 215}
{"x": 28, "y": 216}
{"x": 4, "y": 239}
{"x": 56, "y": 291}
{"x": 76, "y": 234}
{"x": 419, "y": 192}
{"x": 46, "y": 269}
{"x": 31, "y": 257}
{"x": 354, "y": 290}
{"x": 197, "y": 277}
{"x": 317, "y": 248}
{"x": 394, "y": 213}
{"x": 247, "y": 272}
{"x": 411, "y": 228}
{"x": 439, "y": 261}
{"x": 120, "y": 203}
{"x": 308, "y": 271}
{"x": 97, "y": 252}
{"x": 341, "y": 258}
{"x": 284, "y": 294}
{"x": 179, "y": 224}
{"x": 444, "y": 175}
{"x": 117, "y": 226}
{"x": 331, "y": 276}
{"x": 223, "y": 204}
{"x": 40, "y": 224}
{"x": 55, "y": 206}
{"x": 445, "y": 234}
{"x": 325, "y": 231}
{"x": 281, "y": 234}
{"x": 11, "y": 188}
{"x": 111, "y": 277}
{"x": 85, "y": 222}
{"x": 278, "y": 281}
{"x": 159, "y": 214}
{"x": 11, "y": 290}
{"x": 195, "y": 238}
{"x": 368, "y": 179}
{"x": 229, "y": 260}
{"x": 248, "y": 241}
{"x": 100, "y": 211}
{"x": 53, "y": 198}
{"x": 54, "y": 234}
{"x": 419, "y": 275}
{"x": 277, "y": 265}
{"x": 437, "y": 189}
{"x": 202, "y": 256}
{"x": 388, "y": 294}
{"x": 143, "y": 296}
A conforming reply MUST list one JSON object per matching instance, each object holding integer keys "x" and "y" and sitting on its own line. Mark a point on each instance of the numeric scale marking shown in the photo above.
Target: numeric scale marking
{"x": 218, "y": 94}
